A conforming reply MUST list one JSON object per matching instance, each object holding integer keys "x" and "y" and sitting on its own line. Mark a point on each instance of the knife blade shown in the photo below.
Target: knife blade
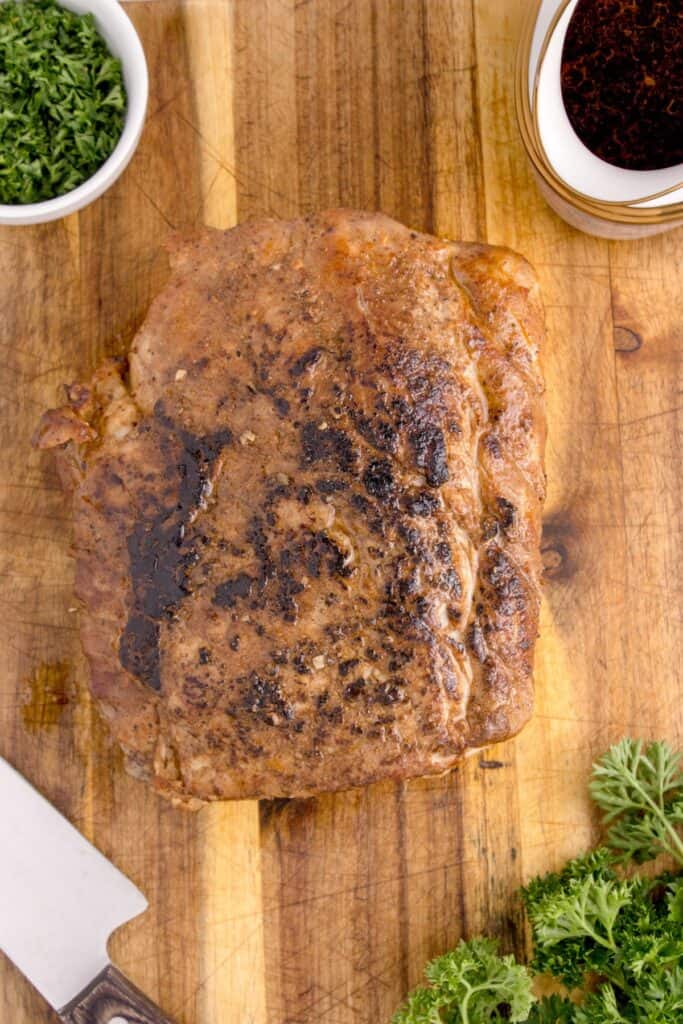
{"x": 60, "y": 900}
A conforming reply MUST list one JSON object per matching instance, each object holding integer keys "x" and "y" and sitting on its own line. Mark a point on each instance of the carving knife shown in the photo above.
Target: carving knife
{"x": 60, "y": 900}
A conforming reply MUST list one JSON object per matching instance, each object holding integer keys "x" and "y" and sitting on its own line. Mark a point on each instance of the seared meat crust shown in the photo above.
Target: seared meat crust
{"x": 307, "y": 511}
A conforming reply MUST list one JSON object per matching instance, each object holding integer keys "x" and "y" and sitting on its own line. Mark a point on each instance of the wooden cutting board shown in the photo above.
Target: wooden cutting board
{"x": 294, "y": 912}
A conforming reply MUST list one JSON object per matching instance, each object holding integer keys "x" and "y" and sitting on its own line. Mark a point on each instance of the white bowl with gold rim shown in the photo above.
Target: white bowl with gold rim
{"x": 588, "y": 192}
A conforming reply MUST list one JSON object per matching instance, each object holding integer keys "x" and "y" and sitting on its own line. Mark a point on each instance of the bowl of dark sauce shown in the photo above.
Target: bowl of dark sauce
{"x": 599, "y": 95}
{"x": 622, "y": 81}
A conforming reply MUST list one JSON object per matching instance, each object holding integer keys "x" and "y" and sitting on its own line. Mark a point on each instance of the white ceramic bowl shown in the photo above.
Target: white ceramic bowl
{"x": 572, "y": 161}
{"x": 117, "y": 29}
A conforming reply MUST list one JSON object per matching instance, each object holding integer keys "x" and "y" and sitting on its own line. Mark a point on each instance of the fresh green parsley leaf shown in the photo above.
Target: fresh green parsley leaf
{"x": 587, "y": 910}
{"x": 586, "y": 922}
{"x": 62, "y": 100}
{"x": 552, "y": 1010}
{"x": 649, "y": 940}
{"x": 641, "y": 794}
{"x": 675, "y": 901}
{"x": 471, "y": 985}
{"x": 572, "y": 915}
{"x": 601, "y": 1007}
{"x": 660, "y": 1000}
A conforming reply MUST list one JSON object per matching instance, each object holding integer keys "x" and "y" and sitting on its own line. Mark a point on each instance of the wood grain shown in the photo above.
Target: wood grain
{"x": 325, "y": 910}
{"x": 112, "y": 999}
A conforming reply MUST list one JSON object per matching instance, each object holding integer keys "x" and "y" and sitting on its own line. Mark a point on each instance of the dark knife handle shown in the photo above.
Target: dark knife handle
{"x": 112, "y": 999}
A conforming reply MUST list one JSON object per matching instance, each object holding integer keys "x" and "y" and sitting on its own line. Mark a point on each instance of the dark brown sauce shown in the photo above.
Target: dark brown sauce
{"x": 161, "y": 555}
{"x": 622, "y": 80}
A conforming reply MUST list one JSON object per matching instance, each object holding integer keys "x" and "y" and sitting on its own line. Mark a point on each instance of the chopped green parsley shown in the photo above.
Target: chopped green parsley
{"x": 62, "y": 100}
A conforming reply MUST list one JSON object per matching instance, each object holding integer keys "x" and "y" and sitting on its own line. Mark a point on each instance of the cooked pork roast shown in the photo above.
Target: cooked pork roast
{"x": 307, "y": 509}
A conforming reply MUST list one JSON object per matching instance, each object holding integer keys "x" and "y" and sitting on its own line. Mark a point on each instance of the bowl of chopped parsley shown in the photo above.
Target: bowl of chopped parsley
{"x": 73, "y": 96}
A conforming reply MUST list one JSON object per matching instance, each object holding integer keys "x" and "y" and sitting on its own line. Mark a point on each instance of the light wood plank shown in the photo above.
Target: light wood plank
{"x": 647, "y": 281}
{"x": 232, "y": 963}
{"x": 265, "y": 108}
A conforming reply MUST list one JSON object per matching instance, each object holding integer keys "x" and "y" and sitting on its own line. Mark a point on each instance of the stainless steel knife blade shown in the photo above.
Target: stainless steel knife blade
{"x": 60, "y": 899}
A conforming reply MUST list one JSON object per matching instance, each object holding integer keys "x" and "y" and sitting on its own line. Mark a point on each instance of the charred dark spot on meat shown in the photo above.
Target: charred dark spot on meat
{"x": 322, "y": 443}
{"x": 139, "y": 650}
{"x": 429, "y": 446}
{"x": 354, "y": 689}
{"x": 78, "y": 395}
{"x": 318, "y": 551}
{"x": 265, "y": 699}
{"x": 391, "y": 692}
{"x": 160, "y": 552}
{"x": 450, "y": 581}
{"x": 282, "y": 406}
{"x": 195, "y": 692}
{"x": 378, "y": 479}
{"x": 375, "y": 522}
{"x": 501, "y": 574}
{"x": 477, "y": 643}
{"x": 305, "y": 362}
{"x": 492, "y": 445}
{"x": 423, "y": 504}
{"x": 204, "y": 656}
{"x": 415, "y": 543}
{"x": 277, "y": 488}
{"x": 337, "y": 630}
{"x": 443, "y": 552}
{"x": 228, "y": 592}
{"x": 235, "y": 643}
{"x": 258, "y": 538}
{"x": 506, "y": 512}
{"x": 404, "y": 586}
{"x": 288, "y": 589}
{"x": 347, "y": 666}
{"x": 300, "y": 666}
{"x": 377, "y": 431}
{"x": 398, "y": 660}
{"x": 500, "y": 521}
{"x": 327, "y": 486}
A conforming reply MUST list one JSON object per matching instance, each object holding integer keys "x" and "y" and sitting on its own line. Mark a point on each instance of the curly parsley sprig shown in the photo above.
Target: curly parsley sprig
{"x": 469, "y": 986}
{"x": 641, "y": 794}
{"x": 615, "y": 943}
